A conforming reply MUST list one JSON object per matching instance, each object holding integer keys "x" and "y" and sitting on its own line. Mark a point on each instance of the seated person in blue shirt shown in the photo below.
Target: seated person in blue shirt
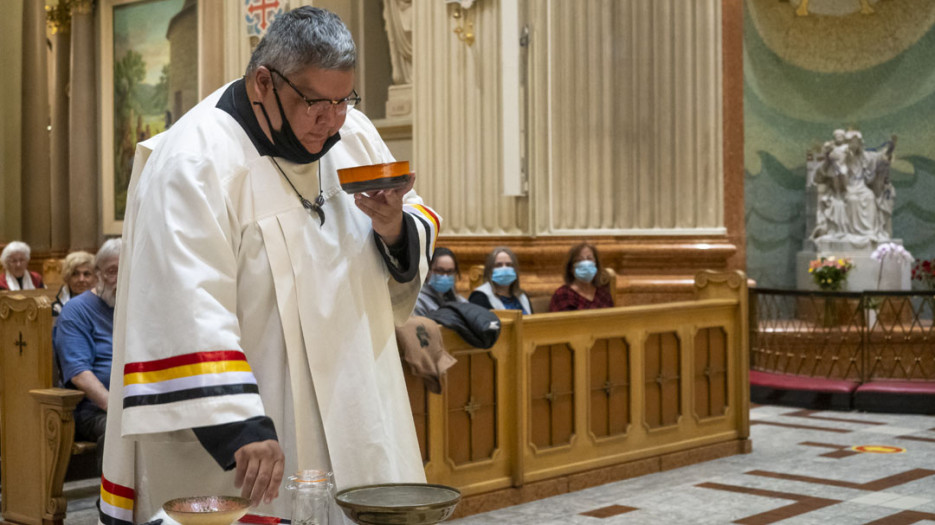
{"x": 439, "y": 287}
{"x": 84, "y": 343}
{"x": 501, "y": 290}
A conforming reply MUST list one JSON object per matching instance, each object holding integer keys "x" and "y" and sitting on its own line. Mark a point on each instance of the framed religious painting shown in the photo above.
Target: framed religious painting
{"x": 152, "y": 70}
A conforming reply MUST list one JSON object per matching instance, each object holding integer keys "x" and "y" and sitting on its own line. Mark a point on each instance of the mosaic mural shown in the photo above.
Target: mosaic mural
{"x": 859, "y": 64}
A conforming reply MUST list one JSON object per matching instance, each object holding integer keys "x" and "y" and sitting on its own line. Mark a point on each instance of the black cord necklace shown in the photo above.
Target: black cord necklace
{"x": 307, "y": 204}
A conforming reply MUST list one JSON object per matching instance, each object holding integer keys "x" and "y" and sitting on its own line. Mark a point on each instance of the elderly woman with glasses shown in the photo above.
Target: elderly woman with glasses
{"x": 16, "y": 275}
{"x": 78, "y": 274}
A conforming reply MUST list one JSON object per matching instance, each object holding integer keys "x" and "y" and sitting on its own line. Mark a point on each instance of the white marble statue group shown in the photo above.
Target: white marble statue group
{"x": 855, "y": 195}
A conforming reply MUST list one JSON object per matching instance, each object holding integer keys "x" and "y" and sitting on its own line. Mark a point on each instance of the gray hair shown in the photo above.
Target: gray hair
{"x": 110, "y": 249}
{"x": 14, "y": 247}
{"x": 75, "y": 260}
{"x": 302, "y": 38}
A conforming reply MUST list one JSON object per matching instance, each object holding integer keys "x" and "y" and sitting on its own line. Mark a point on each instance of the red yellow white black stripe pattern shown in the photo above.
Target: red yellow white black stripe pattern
{"x": 430, "y": 222}
{"x": 187, "y": 376}
{"x": 116, "y": 503}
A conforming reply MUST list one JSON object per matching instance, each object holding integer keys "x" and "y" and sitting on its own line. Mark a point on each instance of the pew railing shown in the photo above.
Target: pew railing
{"x": 562, "y": 394}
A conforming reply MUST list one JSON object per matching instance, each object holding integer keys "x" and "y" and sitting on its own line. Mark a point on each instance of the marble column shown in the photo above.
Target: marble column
{"x": 36, "y": 180}
{"x": 59, "y": 20}
{"x": 83, "y": 177}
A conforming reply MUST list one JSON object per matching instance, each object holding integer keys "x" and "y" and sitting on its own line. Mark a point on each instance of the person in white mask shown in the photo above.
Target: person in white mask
{"x": 439, "y": 288}
{"x": 582, "y": 290}
{"x": 501, "y": 289}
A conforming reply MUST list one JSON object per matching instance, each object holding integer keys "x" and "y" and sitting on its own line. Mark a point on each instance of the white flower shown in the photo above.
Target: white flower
{"x": 891, "y": 249}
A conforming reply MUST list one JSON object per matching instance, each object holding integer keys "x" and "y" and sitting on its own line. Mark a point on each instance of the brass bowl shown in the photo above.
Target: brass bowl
{"x": 207, "y": 510}
{"x": 398, "y": 503}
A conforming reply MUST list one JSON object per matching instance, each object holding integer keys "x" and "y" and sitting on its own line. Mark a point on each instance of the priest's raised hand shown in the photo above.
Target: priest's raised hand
{"x": 385, "y": 209}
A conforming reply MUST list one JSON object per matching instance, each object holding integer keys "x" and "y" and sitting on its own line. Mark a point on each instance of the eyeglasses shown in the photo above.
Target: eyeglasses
{"x": 110, "y": 272}
{"x": 316, "y": 106}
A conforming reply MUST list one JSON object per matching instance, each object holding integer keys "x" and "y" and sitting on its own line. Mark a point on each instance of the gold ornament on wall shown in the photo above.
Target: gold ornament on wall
{"x": 463, "y": 14}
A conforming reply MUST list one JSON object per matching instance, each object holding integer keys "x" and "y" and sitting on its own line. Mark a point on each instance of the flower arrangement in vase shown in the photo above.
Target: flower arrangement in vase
{"x": 830, "y": 273}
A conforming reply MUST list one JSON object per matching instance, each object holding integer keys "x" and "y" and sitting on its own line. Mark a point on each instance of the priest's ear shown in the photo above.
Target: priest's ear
{"x": 262, "y": 83}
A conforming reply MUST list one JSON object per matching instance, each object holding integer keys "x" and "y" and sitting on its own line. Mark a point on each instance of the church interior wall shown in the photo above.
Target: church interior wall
{"x": 626, "y": 139}
{"x": 805, "y": 76}
{"x": 11, "y": 36}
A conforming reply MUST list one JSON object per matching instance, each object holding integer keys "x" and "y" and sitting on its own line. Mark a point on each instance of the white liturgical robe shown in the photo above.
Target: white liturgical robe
{"x": 234, "y": 302}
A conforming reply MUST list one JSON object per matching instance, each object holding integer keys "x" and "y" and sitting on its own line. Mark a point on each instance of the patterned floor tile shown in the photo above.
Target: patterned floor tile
{"x": 791, "y": 445}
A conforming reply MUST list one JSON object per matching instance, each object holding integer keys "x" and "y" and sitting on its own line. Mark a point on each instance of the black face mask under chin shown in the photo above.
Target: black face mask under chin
{"x": 286, "y": 144}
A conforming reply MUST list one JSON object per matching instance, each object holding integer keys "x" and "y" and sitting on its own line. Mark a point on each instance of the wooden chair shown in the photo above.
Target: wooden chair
{"x": 37, "y": 427}
{"x": 52, "y": 273}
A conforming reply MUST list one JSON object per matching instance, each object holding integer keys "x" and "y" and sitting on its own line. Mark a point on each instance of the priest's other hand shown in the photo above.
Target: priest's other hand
{"x": 259, "y": 470}
{"x": 385, "y": 209}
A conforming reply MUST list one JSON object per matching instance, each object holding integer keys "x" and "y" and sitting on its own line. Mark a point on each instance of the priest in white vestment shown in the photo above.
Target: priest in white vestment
{"x": 254, "y": 326}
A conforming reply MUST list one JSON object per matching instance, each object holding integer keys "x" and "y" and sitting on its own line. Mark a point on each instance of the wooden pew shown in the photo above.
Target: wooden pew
{"x": 37, "y": 427}
{"x": 568, "y": 400}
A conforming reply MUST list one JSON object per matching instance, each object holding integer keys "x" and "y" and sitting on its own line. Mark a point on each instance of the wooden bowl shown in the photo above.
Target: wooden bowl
{"x": 207, "y": 510}
{"x": 374, "y": 177}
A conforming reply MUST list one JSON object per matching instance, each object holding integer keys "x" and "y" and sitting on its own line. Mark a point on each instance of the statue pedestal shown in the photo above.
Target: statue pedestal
{"x": 896, "y": 274}
{"x": 399, "y": 101}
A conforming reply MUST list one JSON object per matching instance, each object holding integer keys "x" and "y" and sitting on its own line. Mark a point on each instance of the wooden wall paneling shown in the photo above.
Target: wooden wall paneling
{"x": 483, "y": 411}
{"x": 419, "y": 402}
{"x": 570, "y": 352}
{"x": 652, "y": 384}
{"x": 552, "y": 396}
{"x": 562, "y": 394}
{"x": 609, "y": 388}
{"x": 476, "y": 456}
{"x": 458, "y": 396}
{"x": 709, "y": 372}
{"x": 540, "y": 410}
{"x": 719, "y": 285}
{"x": 662, "y": 380}
{"x": 671, "y": 377}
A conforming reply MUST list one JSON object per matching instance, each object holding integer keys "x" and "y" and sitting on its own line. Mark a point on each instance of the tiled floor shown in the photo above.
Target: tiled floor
{"x": 803, "y": 470}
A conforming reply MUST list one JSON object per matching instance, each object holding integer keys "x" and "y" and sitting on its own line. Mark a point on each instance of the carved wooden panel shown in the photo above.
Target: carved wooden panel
{"x": 552, "y": 373}
{"x": 419, "y": 401}
{"x": 662, "y": 375}
{"x": 710, "y": 372}
{"x": 610, "y": 387}
{"x": 472, "y": 408}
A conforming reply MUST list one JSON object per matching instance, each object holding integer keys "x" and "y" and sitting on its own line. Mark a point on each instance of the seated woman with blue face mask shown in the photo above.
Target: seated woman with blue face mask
{"x": 439, "y": 288}
{"x": 581, "y": 290}
{"x": 501, "y": 290}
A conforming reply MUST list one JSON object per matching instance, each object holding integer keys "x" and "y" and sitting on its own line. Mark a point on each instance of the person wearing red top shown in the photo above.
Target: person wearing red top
{"x": 16, "y": 275}
{"x": 582, "y": 290}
